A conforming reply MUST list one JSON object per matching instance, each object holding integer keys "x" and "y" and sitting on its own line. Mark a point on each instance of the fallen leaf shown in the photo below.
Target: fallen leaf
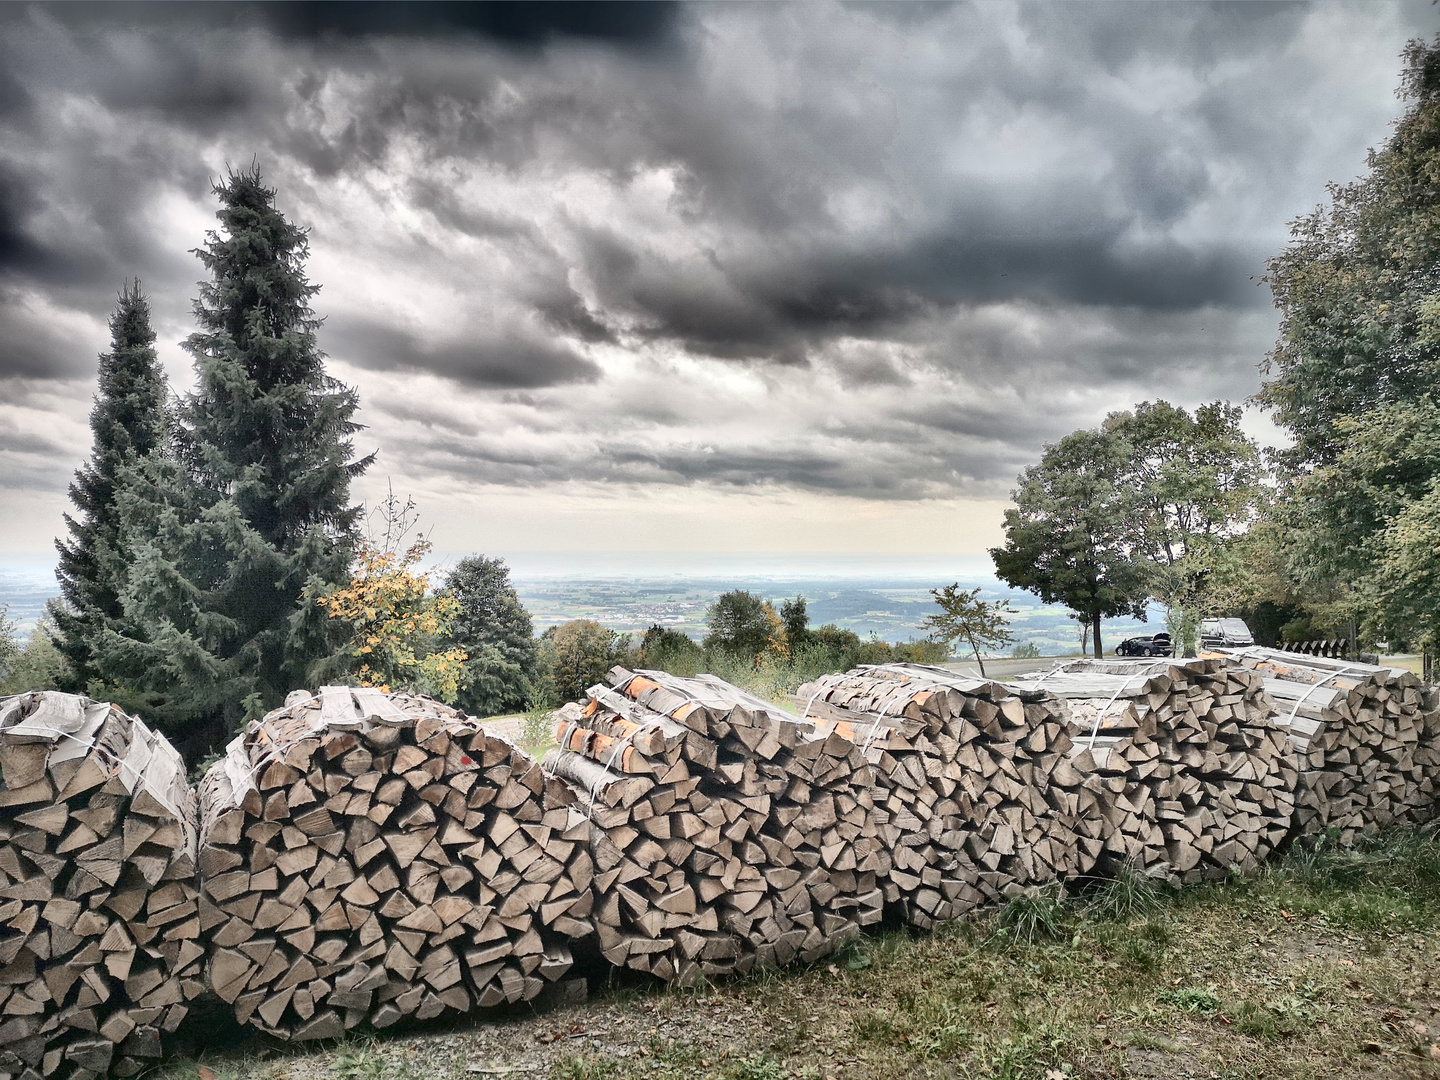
{"x": 1434, "y": 1052}
{"x": 1372, "y": 1047}
{"x": 1419, "y": 1029}
{"x": 206, "y": 1073}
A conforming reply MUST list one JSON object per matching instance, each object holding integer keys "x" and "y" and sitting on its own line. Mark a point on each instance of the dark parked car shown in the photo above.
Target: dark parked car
{"x": 1154, "y": 645}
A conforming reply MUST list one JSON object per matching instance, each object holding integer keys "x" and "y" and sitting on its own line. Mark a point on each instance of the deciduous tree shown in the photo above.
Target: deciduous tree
{"x": 1069, "y": 537}
{"x": 1351, "y": 377}
{"x": 395, "y": 625}
{"x": 982, "y": 624}
{"x": 742, "y": 623}
{"x": 576, "y": 655}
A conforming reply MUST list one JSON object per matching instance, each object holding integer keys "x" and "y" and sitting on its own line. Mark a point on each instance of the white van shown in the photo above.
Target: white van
{"x": 1225, "y": 634}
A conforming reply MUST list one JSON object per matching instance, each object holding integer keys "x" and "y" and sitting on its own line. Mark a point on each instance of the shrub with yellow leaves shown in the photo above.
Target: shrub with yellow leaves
{"x": 396, "y": 622}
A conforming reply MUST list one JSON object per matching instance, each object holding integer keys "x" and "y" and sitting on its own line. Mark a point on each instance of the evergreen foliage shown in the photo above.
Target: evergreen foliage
{"x": 129, "y": 425}
{"x": 233, "y": 542}
{"x": 37, "y": 664}
{"x": 9, "y": 642}
{"x": 492, "y": 626}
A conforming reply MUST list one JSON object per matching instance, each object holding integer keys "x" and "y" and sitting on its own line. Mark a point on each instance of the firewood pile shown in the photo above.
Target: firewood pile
{"x": 974, "y": 789}
{"x": 1191, "y": 773}
{"x": 726, "y": 833}
{"x": 99, "y": 933}
{"x": 375, "y": 857}
{"x": 1368, "y": 739}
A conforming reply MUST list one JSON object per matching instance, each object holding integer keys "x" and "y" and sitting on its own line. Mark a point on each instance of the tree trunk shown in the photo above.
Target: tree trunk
{"x": 1099, "y": 648}
{"x": 976, "y": 650}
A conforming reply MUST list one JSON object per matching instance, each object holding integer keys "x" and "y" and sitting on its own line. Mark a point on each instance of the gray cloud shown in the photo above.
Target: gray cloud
{"x": 513, "y": 363}
{"x": 881, "y": 250}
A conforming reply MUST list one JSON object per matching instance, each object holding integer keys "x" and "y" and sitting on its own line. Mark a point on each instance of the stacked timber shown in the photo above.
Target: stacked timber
{"x": 974, "y": 788}
{"x": 727, "y": 834}
{"x": 99, "y": 926}
{"x": 1192, "y": 774}
{"x": 1368, "y": 739}
{"x": 375, "y": 857}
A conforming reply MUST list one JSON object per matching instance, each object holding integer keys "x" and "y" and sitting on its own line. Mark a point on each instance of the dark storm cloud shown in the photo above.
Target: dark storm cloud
{"x": 502, "y": 364}
{"x": 884, "y": 250}
{"x": 639, "y": 23}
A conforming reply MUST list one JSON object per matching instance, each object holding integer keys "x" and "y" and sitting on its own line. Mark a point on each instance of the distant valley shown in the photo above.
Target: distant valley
{"x": 889, "y": 607}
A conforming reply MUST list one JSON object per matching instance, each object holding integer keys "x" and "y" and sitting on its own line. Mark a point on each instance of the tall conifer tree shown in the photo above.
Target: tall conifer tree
{"x": 256, "y": 520}
{"x": 129, "y": 425}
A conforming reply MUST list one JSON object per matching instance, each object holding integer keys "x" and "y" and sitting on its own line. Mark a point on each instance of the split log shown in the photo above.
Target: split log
{"x": 99, "y": 925}
{"x": 371, "y": 857}
{"x": 1368, "y": 738}
{"x": 1192, "y": 774}
{"x": 973, "y": 787}
{"x": 727, "y": 834}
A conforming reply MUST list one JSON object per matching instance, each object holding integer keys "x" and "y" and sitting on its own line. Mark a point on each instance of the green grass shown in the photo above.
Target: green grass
{"x": 1325, "y": 965}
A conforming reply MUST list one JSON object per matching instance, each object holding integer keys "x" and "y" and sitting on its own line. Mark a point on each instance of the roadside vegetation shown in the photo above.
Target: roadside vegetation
{"x": 1327, "y": 964}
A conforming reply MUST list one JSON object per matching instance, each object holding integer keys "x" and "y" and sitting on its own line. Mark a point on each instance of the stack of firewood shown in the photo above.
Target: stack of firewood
{"x": 371, "y": 856}
{"x": 1192, "y": 774}
{"x": 973, "y": 784}
{"x": 1368, "y": 738}
{"x": 726, "y": 834}
{"x": 99, "y": 932}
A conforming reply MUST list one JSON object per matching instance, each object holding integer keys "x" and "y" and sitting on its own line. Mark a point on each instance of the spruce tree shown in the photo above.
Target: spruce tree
{"x": 255, "y": 521}
{"x": 497, "y": 633}
{"x": 129, "y": 424}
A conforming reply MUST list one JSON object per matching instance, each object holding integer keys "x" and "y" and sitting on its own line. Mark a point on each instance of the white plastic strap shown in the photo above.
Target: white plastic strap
{"x": 1305, "y": 696}
{"x": 1095, "y": 731}
{"x": 569, "y": 729}
{"x": 119, "y": 763}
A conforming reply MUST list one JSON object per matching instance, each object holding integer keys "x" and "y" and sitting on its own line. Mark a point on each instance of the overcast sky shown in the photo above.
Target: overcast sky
{"x": 701, "y": 279}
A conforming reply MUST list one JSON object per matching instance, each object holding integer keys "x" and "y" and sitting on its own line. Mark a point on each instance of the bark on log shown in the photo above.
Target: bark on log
{"x": 726, "y": 834}
{"x": 1193, "y": 776}
{"x": 369, "y": 857}
{"x": 99, "y": 929}
{"x": 975, "y": 794}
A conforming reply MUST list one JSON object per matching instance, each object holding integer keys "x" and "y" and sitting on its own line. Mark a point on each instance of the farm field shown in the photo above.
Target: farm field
{"x": 1324, "y": 966}
{"x": 889, "y": 607}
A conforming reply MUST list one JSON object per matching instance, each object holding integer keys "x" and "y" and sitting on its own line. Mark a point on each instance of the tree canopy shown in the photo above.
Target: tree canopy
{"x": 743, "y": 623}
{"x": 1069, "y": 537}
{"x": 982, "y": 624}
{"x": 231, "y": 541}
{"x": 1351, "y": 379}
{"x": 496, "y": 632}
{"x": 129, "y": 424}
{"x": 1147, "y": 506}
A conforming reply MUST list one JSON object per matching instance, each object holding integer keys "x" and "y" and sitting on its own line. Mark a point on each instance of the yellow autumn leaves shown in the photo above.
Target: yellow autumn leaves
{"x": 395, "y": 623}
